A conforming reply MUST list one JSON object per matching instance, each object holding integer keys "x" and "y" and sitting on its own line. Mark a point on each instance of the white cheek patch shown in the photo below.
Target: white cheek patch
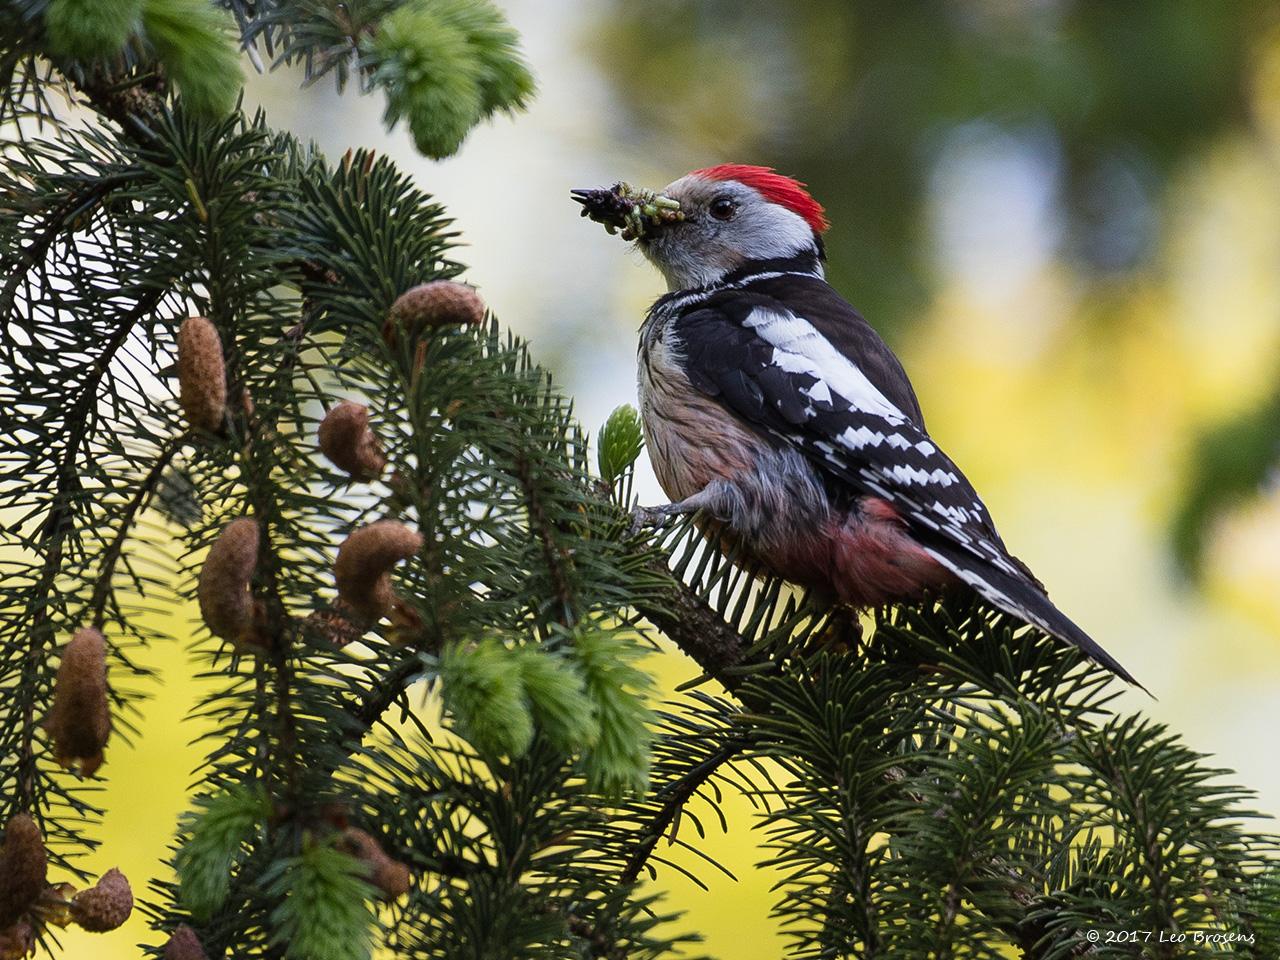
{"x": 800, "y": 348}
{"x": 775, "y": 232}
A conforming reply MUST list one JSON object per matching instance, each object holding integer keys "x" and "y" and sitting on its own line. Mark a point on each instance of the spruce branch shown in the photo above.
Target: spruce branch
{"x": 555, "y": 555}
{"x": 55, "y": 530}
{"x": 685, "y": 617}
{"x": 673, "y": 800}
{"x": 102, "y": 591}
{"x": 78, "y": 204}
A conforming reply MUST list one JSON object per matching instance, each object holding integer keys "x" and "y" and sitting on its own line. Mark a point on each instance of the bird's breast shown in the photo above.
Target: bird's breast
{"x": 692, "y": 440}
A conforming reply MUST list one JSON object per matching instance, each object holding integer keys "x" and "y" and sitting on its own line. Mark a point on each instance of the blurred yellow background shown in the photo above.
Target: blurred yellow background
{"x": 1069, "y": 387}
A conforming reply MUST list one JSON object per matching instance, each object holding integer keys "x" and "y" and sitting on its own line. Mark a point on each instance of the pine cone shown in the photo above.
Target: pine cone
{"x": 80, "y": 721}
{"x": 363, "y": 566}
{"x": 17, "y": 941}
{"x": 105, "y": 905}
{"x": 23, "y": 868}
{"x": 184, "y": 945}
{"x": 202, "y": 377}
{"x": 441, "y": 303}
{"x": 345, "y": 438}
{"x": 338, "y": 625}
{"x": 388, "y": 875}
{"x": 226, "y": 604}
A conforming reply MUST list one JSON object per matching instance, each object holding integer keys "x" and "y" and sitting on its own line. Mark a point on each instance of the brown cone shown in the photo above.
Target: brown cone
{"x": 363, "y": 566}
{"x": 389, "y": 876}
{"x": 202, "y": 377}
{"x": 23, "y": 868}
{"x": 345, "y": 438}
{"x": 184, "y": 945}
{"x": 225, "y": 601}
{"x": 338, "y": 625}
{"x": 80, "y": 721}
{"x": 441, "y": 303}
{"x": 17, "y": 941}
{"x": 105, "y": 905}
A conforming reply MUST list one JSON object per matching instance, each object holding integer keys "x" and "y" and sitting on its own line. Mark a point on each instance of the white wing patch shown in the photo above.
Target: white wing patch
{"x": 864, "y": 436}
{"x": 908, "y": 474}
{"x": 800, "y": 348}
{"x": 954, "y": 513}
{"x": 818, "y": 393}
{"x": 974, "y": 579}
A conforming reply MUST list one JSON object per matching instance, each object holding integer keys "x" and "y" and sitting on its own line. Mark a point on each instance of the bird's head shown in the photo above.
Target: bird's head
{"x": 713, "y": 221}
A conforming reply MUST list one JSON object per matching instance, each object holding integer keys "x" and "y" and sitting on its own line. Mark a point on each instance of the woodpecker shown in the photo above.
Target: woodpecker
{"x": 772, "y": 407}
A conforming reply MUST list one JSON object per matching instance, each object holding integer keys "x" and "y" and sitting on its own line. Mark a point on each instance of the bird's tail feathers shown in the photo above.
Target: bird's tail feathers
{"x": 1024, "y": 599}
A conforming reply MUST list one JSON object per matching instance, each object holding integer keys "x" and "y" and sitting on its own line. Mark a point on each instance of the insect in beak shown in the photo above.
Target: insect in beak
{"x": 638, "y": 214}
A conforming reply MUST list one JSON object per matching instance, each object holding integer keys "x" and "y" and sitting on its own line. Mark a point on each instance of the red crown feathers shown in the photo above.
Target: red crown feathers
{"x": 774, "y": 187}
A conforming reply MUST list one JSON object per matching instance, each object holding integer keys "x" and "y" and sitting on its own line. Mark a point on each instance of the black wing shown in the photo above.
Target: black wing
{"x": 845, "y": 329}
{"x": 841, "y": 402}
{"x": 798, "y": 385}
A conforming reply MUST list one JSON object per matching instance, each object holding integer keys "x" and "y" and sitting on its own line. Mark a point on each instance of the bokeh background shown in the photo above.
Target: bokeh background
{"x": 1064, "y": 215}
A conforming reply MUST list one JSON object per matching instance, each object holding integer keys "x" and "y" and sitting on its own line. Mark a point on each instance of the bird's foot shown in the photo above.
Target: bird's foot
{"x": 651, "y": 518}
{"x": 840, "y": 635}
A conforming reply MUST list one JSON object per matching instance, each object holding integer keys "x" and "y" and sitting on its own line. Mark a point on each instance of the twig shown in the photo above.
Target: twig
{"x": 679, "y": 794}
{"x": 133, "y": 102}
{"x": 692, "y": 625}
{"x": 554, "y": 556}
{"x": 75, "y": 205}
{"x": 111, "y": 556}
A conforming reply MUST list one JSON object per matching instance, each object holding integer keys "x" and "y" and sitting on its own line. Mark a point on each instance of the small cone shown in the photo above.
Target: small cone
{"x": 364, "y": 562}
{"x": 23, "y": 868}
{"x": 223, "y": 591}
{"x": 184, "y": 945}
{"x": 202, "y": 376}
{"x": 80, "y": 721}
{"x": 345, "y": 438}
{"x": 105, "y": 905}
{"x": 337, "y": 625}
{"x": 388, "y": 875}
{"x": 17, "y": 941}
{"x": 441, "y": 303}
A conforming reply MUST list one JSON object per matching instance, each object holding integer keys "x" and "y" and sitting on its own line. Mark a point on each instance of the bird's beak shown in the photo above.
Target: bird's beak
{"x": 638, "y": 214}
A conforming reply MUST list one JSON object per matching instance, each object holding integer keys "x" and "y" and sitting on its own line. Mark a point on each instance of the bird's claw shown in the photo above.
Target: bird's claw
{"x": 654, "y": 518}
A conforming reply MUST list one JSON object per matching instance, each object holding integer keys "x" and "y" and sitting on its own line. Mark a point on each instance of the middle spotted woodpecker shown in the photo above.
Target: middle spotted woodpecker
{"x": 771, "y": 406}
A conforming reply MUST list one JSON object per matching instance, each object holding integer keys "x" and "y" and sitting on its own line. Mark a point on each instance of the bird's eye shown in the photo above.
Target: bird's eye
{"x": 723, "y": 208}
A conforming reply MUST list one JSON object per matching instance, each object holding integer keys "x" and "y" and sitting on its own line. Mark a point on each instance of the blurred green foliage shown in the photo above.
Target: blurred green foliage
{"x": 91, "y": 29}
{"x": 323, "y": 907}
{"x": 217, "y": 832}
{"x": 1231, "y": 462}
{"x": 195, "y": 42}
{"x": 447, "y": 65}
{"x": 855, "y": 97}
